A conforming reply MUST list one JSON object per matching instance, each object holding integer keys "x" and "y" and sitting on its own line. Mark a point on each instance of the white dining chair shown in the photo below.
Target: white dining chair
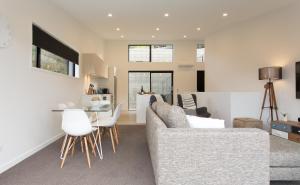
{"x": 75, "y": 123}
{"x": 110, "y": 123}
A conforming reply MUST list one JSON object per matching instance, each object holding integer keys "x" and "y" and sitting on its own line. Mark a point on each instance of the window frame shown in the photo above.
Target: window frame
{"x": 150, "y": 53}
{"x": 44, "y": 41}
{"x": 39, "y": 66}
{"x": 150, "y": 72}
{"x": 203, "y": 57}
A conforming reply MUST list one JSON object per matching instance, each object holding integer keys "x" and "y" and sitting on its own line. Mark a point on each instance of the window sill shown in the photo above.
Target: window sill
{"x": 40, "y": 70}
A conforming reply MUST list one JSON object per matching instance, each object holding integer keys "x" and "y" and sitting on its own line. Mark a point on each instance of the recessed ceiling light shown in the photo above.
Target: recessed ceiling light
{"x": 225, "y": 14}
{"x": 198, "y": 29}
{"x": 109, "y": 15}
{"x": 184, "y": 36}
{"x": 118, "y": 29}
{"x": 122, "y": 36}
{"x": 166, "y": 15}
{"x": 153, "y": 36}
{"x": 157, "y": 29}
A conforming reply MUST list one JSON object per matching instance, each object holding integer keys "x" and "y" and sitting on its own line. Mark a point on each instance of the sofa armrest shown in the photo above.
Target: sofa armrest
{"x": 212, "y": 156}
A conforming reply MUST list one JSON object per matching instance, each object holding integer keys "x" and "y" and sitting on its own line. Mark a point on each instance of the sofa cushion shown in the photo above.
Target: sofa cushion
{"x": 284, "y": 153}
{"x": 172, "y": 116}
{"x": 199, "y": 122}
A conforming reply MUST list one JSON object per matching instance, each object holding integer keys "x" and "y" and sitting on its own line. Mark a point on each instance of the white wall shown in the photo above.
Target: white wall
{"x": 116, "y": 54}
{"x": 28, "y": 94}
{"x": 234, "y": 55}
{"x": 230, "y": 105}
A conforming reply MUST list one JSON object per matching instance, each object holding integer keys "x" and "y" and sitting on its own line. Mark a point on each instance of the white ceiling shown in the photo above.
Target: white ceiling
{"x": 137, "y": 19}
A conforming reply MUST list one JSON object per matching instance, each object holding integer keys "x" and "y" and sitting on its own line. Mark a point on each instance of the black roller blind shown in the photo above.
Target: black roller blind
{"x": 45, "y": 41}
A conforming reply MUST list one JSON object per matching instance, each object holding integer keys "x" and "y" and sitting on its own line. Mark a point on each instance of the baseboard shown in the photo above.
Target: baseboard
{"x": 29, "y": 153}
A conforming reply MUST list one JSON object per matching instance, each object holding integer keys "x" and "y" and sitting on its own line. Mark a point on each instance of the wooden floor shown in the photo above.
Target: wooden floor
{"x": 127, "y": 118}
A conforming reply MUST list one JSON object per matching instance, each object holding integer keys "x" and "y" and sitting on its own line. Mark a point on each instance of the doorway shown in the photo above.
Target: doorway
{"x": 201, "y": 81}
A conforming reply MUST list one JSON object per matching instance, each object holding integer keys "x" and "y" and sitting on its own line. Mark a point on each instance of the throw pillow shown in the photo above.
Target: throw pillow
{"x": 172, "y": 116}
{"x": 188, "y": 101}
{"x": 200, "y": 122}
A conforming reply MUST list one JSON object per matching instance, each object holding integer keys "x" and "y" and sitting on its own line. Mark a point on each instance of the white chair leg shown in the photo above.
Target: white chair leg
{"x": 100, "y": 146}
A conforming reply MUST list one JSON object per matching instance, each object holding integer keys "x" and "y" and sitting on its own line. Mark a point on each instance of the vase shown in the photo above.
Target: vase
{"x": 285, "y": 118}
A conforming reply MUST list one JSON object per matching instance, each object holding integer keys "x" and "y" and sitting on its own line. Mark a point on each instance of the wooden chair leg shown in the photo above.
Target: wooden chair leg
{"x": 92, "y": 145}
{"x": 87, "y": 151}
{"x": 81, "y": 144}
{"x": 117, "y": 128}
{"x": 73, "y": 147}
{"x": 66, "y": 152}
{"x": 63, "y": 146}
{"x": 116, "y": 135}
{"x": 112, "y": 140}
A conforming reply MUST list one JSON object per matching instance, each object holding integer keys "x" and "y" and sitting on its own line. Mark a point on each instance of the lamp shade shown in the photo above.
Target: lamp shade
{"x": 270, "y": 73}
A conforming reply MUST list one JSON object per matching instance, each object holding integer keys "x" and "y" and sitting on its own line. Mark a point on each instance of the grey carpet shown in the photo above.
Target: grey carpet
{"x": 131, "y": 165}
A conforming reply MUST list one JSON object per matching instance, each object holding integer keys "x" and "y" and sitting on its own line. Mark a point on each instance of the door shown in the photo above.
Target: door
{"x": 158, "y": 82}
{"x": 201, "y": 81}
{"x": 162, "y": 83}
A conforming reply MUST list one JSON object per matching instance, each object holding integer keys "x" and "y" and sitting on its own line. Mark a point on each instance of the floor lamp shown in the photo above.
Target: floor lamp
{"x": 270, "y": 74}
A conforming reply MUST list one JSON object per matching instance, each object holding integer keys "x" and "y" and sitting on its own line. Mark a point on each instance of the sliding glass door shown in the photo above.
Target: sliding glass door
{"x": 158, "y": 82}
{"x": 137, "y": 80}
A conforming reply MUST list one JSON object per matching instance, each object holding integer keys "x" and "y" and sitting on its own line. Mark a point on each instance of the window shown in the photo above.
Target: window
{"x": 150, "y": 53}
{"x": 52, "y": 55}
{"x": 139, "y": 53}
{"x": 161, "y": 53}
{"x": 200, "y": 52}
{"x": 137, "y": 80}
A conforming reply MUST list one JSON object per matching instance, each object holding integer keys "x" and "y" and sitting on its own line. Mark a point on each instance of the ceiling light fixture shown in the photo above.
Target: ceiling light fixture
{"x": 153, "y": 36}
{"x": 157, "y": 29}
{"x": 198, "y": 29}
{"x": 122, "y": 36}
{"x": 118, "y": 29}
{"x": 109, "y": 15}
{"x": 184, "y": 36}
{"x": 166, "y": 15}
{"x": 225, "y": 14}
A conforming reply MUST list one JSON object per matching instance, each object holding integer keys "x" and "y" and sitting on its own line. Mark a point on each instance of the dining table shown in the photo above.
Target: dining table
{"x": 104, "y": 108}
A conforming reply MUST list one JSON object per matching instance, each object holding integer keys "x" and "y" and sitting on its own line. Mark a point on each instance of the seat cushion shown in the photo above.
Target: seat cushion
{"x": 172, "y": 116}
{"x": 284, "y": 153}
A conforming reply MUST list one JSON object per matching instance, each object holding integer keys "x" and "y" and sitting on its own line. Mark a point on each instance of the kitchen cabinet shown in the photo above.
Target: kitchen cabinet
{"x": 93, "y": 65}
